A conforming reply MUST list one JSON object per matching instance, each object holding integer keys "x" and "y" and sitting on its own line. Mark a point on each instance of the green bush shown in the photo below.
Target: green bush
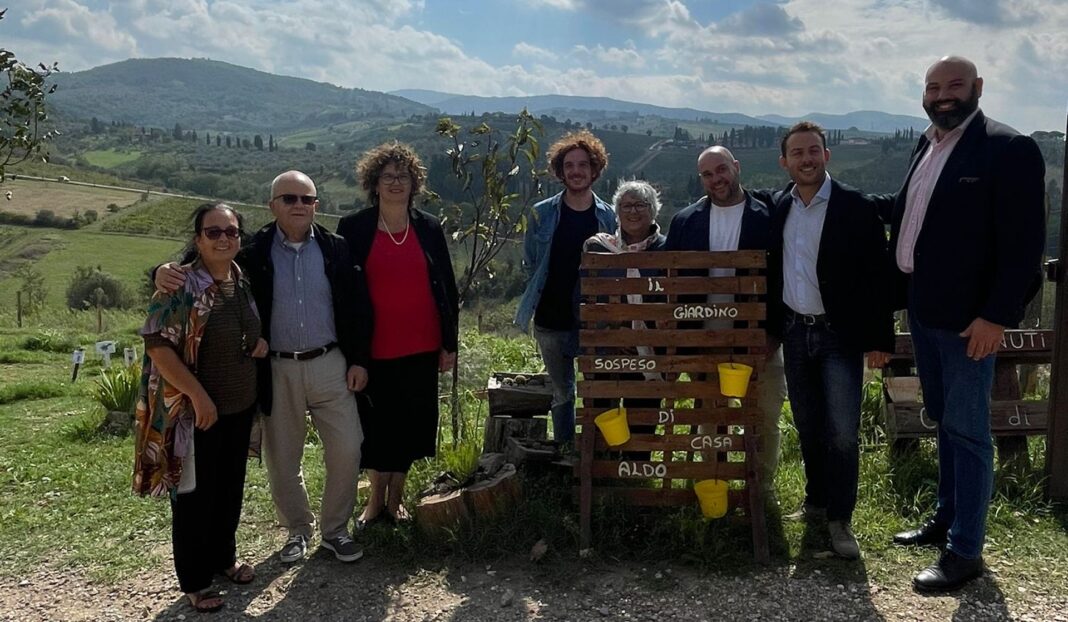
{"x": 90, "y": 287}
{"x": 50, "y": 340}
{"x": 32, "y": 390}
{"x": 117, "y": 387}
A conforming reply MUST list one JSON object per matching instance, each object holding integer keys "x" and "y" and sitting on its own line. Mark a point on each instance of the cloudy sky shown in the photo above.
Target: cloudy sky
{"x": 752, "y": 56}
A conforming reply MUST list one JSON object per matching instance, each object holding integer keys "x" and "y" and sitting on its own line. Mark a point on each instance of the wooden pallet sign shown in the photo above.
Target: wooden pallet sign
{"x": 658, "y": 356}
{"x": 1009, "y": 415}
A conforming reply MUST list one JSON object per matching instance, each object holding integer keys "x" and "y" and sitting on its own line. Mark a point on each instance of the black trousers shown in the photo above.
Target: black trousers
{"x": 204, "y": 521}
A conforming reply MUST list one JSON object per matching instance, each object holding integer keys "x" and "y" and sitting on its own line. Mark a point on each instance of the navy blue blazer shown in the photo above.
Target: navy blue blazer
{"x": 689, "y": 227}
{"x": 979, "y": 251}
{"x": 850, "y": 266}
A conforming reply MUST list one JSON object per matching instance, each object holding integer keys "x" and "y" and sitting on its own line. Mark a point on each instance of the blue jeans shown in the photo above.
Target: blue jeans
{"x": 823, "y": 379}
{"x": 956, "y": 396}
{"x": 558, "y": 351}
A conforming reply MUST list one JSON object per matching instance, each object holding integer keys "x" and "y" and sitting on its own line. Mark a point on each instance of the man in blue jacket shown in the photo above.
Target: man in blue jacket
{"x": 966, "y": 241}
{"x": 552, "y": 251}
{"x": 730, "y": 218}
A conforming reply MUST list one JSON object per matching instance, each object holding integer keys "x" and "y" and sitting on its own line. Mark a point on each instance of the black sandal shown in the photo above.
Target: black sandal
{"x": 242, "y": 575}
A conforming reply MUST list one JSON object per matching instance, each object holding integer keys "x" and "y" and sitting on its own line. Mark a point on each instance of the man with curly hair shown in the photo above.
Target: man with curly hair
{"x": 552, "y": 250}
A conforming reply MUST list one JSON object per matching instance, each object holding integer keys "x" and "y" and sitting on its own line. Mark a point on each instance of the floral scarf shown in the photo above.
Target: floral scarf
{"x": 164, "y": 416}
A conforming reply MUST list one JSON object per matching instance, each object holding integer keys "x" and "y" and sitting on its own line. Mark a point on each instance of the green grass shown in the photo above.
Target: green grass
{"x": 110, "y": 158}
{"x": 59, "y": 476}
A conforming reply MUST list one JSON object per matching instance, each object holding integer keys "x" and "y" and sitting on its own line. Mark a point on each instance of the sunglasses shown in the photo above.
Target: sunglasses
{"x": 214, "y": 233}
{"x": 291, "y": 199}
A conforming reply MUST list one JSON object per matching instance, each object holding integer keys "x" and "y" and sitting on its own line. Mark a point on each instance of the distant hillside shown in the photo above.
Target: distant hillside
{"x": 202, "y": 93}
{"x": 864, "y": 120}
{"x": 558, "y": 105}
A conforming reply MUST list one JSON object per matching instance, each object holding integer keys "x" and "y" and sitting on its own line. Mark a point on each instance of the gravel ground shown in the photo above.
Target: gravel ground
{"x": 320, "y": 588}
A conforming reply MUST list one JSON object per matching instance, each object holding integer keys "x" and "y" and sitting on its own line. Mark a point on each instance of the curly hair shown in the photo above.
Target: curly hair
{"x": 582, "y": 139}
{"x": 370, "y": 165}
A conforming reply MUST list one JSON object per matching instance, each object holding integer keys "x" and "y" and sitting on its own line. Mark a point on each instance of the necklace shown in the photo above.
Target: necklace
{"x": 391, "y": 238}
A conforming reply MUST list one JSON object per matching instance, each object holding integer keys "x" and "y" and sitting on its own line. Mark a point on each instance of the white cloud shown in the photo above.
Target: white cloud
{"x": 524, "y": 50}
{"x": 625, "y": 58}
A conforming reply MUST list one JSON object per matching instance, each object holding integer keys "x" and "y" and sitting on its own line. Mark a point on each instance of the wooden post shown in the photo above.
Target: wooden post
{"x": 1057, "y": 431}
{"x": 18, "y": 308}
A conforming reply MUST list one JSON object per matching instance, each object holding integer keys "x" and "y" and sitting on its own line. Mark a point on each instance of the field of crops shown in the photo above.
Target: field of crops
{"x": 64, "y": 199}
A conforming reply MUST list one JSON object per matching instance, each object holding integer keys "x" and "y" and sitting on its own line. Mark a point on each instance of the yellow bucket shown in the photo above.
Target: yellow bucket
{"x": 613, "y": 425}
{"x": 712, "y": 495}
{"x": 734, "y": 379}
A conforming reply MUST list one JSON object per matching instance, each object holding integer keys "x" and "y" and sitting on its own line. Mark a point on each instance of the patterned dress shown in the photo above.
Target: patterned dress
{"x": 164, "y": 416}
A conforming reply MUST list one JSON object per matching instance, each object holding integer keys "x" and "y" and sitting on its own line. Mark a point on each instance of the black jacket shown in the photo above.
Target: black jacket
{"x": 359, "y": 231}
{"x": 979, "y": 251}
{"x": 351, "y": 306}
{"x": 689, "y": 227}
{"x": 851, "y": 268}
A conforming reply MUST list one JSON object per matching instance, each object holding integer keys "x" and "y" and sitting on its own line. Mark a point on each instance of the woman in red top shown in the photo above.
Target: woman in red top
{"x": 402, "y": 253}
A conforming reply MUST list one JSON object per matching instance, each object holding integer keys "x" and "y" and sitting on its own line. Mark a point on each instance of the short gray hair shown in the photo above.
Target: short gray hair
{"x": 640, "y": 189}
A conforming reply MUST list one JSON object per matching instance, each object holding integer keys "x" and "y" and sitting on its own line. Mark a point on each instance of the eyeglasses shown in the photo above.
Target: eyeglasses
{"x": 389, "y": 179}
{"x": 214, "y": 233}
{"x": 635, "y": 208}
{"x": 291, "y": 199}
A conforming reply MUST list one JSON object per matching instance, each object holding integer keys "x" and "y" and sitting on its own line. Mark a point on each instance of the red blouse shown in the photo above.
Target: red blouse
{"x": 405, "y": 315}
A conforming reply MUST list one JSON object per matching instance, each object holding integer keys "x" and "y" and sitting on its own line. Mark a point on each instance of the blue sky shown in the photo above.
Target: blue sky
{"x": 752, "y": 56}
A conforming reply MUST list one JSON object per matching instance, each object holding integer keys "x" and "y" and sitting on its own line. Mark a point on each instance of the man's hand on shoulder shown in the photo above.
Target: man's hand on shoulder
{"x": 984, "y": 338}
{"x": 169, "y": 278}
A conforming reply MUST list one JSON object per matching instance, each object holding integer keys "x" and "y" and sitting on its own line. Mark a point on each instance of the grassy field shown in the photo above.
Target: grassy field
{"x": 28, "y": 197}
{"x": 57, "y": 253}
{"x": 170, "y": 218}
{"x": 110, "y": 158}
{"x": 64, "y": 494}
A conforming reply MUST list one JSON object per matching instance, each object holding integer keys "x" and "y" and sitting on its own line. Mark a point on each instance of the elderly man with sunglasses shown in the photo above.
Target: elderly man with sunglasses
{"x": 315, "y": 311}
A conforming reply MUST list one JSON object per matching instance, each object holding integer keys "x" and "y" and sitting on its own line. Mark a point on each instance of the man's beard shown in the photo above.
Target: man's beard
{"x": 950, "y": 119}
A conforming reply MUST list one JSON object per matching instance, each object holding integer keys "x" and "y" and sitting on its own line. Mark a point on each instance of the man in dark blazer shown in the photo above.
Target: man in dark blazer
{"x": 966, "y": 242}
{"x": 729, "y": 218}
{"x": 828, "y": 306}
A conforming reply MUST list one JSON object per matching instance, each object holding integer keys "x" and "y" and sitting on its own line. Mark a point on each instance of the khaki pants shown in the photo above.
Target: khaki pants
{"x": 316, "y": 386}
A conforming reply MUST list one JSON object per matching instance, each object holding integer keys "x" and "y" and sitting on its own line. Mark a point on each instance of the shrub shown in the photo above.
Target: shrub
{"x": 90, "y": 287}
{"x": 50, "y": 340}
{"x": 116, "y": 388}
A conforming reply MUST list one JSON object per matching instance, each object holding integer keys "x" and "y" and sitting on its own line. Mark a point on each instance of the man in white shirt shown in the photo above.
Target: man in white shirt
{"x": 728, "y": 218}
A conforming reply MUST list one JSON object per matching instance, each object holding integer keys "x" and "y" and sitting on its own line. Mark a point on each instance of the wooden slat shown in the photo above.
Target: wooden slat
{"x": 909, "y": 420}
{"x": 705, "y": 363}
{"x": 661, "y": 312}
{"x": 1027, "y": 346}
{"x": 666, "y": 260}
{"x": 682, "y": 416}
{"x": 666, "y": 286}
{"x": 738, "y": 337}
{"x": 658, "y": 497}
{"x": 663, "y": 389}
{"x": 670, "y": 470}
{"x": 710, "y": 443}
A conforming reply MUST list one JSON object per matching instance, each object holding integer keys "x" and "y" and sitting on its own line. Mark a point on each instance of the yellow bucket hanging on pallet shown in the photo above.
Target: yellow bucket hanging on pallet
{"x": 712, "y": 495}
{"x": 734, "y": 379}
{"x": 613, "y": 426}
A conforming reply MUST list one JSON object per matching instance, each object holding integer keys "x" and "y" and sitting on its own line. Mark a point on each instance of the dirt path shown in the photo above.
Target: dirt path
{"x": 322, "y": 589}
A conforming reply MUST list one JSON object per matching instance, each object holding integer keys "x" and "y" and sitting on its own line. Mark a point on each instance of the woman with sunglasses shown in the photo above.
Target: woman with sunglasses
{"x": 402, "y": 252}
{"x": 198, "y": 397}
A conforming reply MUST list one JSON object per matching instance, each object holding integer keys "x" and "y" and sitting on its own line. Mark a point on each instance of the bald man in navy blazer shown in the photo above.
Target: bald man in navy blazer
{"x": 967, "y": 233}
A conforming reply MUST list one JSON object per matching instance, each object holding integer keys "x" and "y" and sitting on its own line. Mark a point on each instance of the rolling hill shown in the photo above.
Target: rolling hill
{"x": 201, "y": 93}
{"x": 864, "y": 120}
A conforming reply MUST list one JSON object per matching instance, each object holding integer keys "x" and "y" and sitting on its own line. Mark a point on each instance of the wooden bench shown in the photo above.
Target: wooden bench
{"x": 1010, "y": 414}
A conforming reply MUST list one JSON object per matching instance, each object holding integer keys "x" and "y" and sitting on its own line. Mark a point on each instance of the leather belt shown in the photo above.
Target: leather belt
{"x": 807, "y": 319}
{"x": 306, "y": 355}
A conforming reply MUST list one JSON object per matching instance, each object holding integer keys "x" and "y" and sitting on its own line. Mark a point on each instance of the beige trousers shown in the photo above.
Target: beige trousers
{"x": 316, "y": 386}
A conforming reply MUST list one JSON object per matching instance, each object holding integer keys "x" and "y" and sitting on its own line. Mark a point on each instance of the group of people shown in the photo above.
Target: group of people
{"x": 351, "y": 328}
{"x": 963, "y": 256}
{"x": 354, "y": 327}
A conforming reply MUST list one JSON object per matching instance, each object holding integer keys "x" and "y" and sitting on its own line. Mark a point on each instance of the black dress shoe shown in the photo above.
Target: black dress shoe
{"x": 950, "y": 572}
{"x": 929, "y": 533}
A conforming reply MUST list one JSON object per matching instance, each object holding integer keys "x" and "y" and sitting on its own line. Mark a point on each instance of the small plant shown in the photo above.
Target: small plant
{"x": 50, "y": 340}
{"x": 116, "y": 388}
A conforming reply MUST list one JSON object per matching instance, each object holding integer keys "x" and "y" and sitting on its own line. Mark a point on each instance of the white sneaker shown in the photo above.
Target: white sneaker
{"x": 295, "y": 548}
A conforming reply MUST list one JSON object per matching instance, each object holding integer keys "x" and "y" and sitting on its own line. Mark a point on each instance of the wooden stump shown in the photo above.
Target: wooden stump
{"x": 524, "y": 451}
{"x": 500, "y": 429}
{"x": 442, "y": 512}
{"x": 486, "y": 499}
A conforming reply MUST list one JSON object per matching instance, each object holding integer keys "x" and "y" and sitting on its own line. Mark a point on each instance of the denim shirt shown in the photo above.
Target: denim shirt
{"x": 537, "y": 242}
